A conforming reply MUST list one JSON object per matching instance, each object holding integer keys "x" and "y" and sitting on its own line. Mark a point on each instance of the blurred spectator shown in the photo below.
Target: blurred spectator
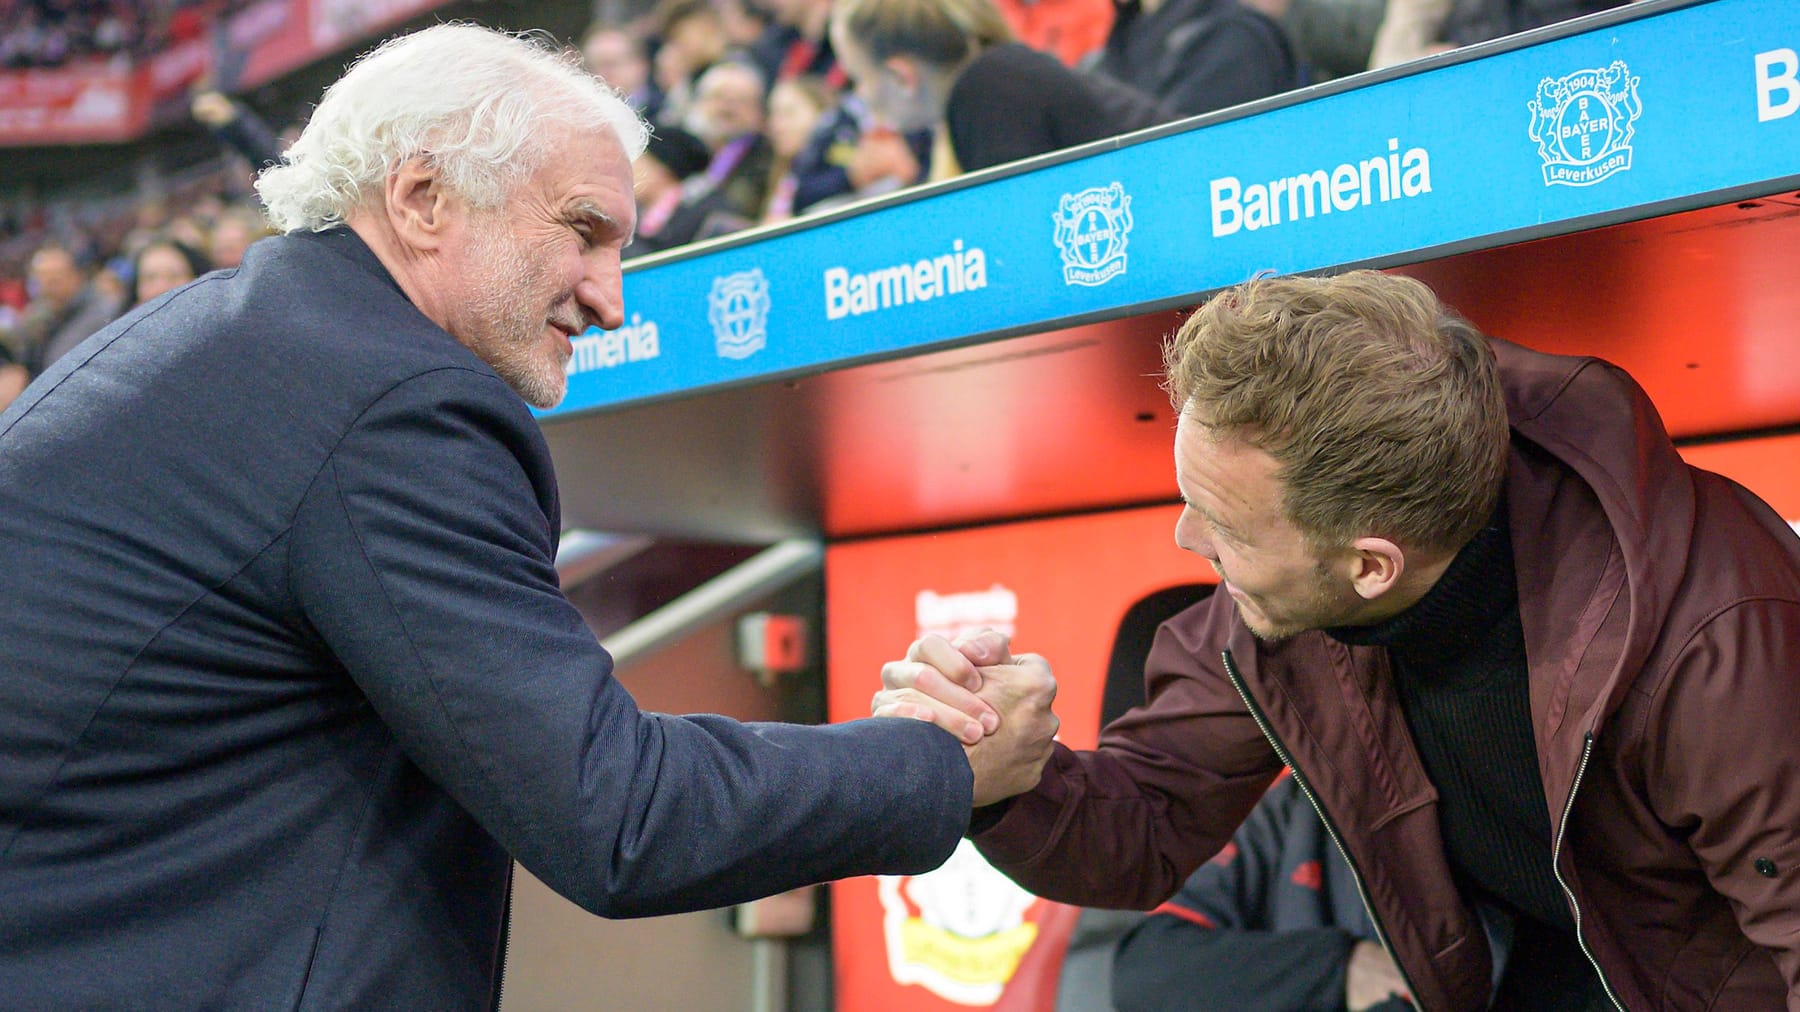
{"x": 1196, "y": 56}
{"x": 842, "y": 161}
{"x": 13, "y": 377}
{"x": 618, "y": 58}
{"x": 797, "y": 43}
{"x": 745, "y": 22}
{"x": 207, "y": 207}
{"x": 1409, "y": 29}
{"x": 728, "y": 116}
{"x": 1414, "y": 28}
{"x": 692, "y": 40}
{"x": 1070, "y": 30}
{"x": 796, "y": 108}
{"x": 920, "y": 63}
{"x": 164, "y": 265}
{"x": 887, "y": 159}
{"x": 232, "y": 233}
{"x": 66, "y": 309}
{"x": 236, "y": 127}
{"x": 13, "y": 298}
{"x": 672, "y": 156}
{"x": 111, "y": 284}
{"x": 148, "y": 219}
{"x": 1273, "y": 923}
{"x": 1332, "y": 38}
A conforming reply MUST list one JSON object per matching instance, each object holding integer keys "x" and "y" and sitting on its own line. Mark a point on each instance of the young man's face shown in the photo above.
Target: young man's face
{"x": 1233, "y": 518}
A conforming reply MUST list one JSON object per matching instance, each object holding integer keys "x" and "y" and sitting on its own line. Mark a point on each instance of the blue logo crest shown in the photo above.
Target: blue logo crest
{"x": 738, "y": 307}
{"x": 1091, "y": 230}
{"x": 1582, "y": 124}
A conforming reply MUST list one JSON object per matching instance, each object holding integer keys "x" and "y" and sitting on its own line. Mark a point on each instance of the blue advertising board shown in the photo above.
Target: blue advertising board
{"x": 1633, "y": 114}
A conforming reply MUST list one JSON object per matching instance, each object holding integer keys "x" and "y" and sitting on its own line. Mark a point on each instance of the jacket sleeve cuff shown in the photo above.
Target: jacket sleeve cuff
{"x": 988, "y": 817}
{"x": 1023, "y": 826}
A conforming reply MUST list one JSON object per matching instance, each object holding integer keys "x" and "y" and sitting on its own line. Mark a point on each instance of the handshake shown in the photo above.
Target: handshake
{"x": 997, "y": 704}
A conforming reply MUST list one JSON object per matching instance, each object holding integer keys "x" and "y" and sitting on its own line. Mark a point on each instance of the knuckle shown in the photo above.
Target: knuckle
{"x": 932, "y": 682}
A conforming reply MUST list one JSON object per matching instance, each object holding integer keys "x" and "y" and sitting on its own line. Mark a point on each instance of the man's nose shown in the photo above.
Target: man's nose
{"x": 1191, "y": 535}
{"x": 601, "y": 291}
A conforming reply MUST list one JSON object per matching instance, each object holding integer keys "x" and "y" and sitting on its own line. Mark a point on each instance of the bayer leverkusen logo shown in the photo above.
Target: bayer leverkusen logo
{"x": 1582, "y": 123}
{"x": 1091, "y": 231}
{"x": 960, "y": 931}
{"x": 738, "y": 307}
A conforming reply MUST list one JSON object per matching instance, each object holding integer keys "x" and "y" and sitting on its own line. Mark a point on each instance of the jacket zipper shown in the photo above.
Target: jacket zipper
{"x": 505, "y": 941}
{"x": 1287, "y": 759}
{"x": 1587, "y": 752}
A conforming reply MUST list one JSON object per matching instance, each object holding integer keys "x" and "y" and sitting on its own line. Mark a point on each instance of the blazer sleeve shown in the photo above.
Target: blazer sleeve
{"x": 423, "y": 555}
{"x": 1125, "y": 824}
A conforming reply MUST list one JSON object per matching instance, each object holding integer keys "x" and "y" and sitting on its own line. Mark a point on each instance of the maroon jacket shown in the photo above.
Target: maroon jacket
{"x": 1661, "y": 612}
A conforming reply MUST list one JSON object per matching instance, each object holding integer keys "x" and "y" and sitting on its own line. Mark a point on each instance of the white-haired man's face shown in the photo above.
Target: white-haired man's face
{"x": 531, "y": 275}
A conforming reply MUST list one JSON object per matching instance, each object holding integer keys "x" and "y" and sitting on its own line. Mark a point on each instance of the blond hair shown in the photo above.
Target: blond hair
{"x": 1381, "y": 408}
{"x": 945, "y": 33}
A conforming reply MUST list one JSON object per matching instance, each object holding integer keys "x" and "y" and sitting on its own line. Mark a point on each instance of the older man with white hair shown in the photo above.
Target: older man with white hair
{"x": 285, "y": 673}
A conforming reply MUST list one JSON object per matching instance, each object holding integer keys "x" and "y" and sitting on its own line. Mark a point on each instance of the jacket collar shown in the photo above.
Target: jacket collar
{"x": 1602, "y": 511}
{"x": 344, "y": 242}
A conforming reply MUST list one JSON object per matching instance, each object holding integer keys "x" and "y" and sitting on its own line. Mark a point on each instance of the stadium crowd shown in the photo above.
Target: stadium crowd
{"x": 762, "y": 110}
{"x": 56, "y": 33}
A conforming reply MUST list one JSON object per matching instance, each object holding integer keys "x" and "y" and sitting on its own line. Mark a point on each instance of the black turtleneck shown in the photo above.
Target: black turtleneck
{"x": 1458, "y": 662}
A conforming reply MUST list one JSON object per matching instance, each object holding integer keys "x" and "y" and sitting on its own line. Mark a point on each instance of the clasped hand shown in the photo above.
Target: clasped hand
{"x": 997, "y": 704}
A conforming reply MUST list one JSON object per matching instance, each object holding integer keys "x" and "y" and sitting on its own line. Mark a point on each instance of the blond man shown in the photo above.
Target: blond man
{"x": 1536, "y": 673}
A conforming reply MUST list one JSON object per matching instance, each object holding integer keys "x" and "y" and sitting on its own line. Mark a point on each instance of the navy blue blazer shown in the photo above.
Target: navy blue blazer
{"x": 286, "y": 675}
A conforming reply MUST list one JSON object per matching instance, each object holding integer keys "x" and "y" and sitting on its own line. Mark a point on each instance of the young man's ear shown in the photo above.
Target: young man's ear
{"x": 418, "y": 206}
{"x": 1376, "y": 565}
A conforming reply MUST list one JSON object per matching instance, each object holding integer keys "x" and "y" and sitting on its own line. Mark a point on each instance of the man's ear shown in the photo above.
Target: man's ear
{"x": 419, "y": 208}
{"x": 1376, "y": 565}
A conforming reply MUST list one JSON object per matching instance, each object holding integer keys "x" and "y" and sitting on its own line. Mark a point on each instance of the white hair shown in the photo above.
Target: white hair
{"x": 471, "y": 100}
